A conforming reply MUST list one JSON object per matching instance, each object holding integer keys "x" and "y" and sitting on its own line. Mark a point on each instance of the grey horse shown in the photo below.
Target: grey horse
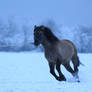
{"x": 57, "y": 52}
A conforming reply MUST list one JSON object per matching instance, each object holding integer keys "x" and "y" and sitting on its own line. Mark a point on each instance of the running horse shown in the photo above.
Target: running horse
{"x": 57, "y": 52}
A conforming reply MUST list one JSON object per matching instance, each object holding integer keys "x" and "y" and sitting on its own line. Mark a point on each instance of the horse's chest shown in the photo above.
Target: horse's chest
{"x": 50, "y": 55}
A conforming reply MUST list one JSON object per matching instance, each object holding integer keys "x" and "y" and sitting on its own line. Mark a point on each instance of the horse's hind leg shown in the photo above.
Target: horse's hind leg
{"x": 68, "y": 67}
{"x": 61, "y": 76}
{"x": 76, "y": 62}
{"x": 75, "y": 74}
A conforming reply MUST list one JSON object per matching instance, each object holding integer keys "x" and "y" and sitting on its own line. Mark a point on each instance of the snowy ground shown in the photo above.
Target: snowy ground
{"x": 29, "y": 72}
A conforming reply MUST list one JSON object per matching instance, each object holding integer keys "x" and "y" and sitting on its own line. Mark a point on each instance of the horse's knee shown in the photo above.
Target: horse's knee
{"x": 58, "y": 67}
{"x": 51, "y": 71}
{"x": 51, "y": 68}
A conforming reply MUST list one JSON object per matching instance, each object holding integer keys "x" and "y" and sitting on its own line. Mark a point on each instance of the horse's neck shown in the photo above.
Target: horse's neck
{"x": 46, "y": 44}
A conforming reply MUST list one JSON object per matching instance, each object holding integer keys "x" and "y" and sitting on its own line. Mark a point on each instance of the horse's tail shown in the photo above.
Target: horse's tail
{"x": 76, "y": 61}
{"x": 80, "y": 63}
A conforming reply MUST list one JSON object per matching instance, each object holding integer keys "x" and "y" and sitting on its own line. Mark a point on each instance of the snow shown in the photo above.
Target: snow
{"x": 29, "y": 72}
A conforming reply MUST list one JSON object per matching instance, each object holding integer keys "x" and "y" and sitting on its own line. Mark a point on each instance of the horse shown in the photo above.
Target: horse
{"x": 57, "y": 52}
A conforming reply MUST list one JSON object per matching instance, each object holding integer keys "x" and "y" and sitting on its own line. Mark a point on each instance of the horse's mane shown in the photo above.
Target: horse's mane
{"x": 49, "y": 35}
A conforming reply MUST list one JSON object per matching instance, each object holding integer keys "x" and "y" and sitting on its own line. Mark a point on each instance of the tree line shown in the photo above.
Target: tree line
{"x": 16, "y": 38}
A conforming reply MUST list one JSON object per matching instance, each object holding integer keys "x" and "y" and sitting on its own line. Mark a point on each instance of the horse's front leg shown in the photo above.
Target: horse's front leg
{"x": 52, "y": 70}
{"x": 61, "y": 76}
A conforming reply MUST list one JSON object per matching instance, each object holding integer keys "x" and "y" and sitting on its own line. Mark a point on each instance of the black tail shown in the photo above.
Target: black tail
{"x": 80, "y": 63}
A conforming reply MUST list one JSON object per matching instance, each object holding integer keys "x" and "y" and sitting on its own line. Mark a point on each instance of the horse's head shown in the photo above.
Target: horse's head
{"x": 39, "y": 35}
{"x": 43, "y": 34}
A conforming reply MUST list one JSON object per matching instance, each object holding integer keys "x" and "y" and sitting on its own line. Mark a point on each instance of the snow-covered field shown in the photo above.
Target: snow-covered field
{"x": 29, "y": 72}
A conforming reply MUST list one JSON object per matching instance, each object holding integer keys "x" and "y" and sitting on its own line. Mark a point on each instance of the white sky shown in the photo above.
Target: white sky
{"x": 67, "y": 12}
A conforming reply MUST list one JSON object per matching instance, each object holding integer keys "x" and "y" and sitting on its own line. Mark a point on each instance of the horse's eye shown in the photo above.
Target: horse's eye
{"x": 39, "y": 32}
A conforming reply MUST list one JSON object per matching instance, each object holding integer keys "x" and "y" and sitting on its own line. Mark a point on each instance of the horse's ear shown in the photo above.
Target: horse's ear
{"x": 35, "y": 26}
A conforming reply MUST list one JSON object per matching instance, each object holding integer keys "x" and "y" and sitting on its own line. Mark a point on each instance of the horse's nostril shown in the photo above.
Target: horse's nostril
{"x": 36, "y": 43}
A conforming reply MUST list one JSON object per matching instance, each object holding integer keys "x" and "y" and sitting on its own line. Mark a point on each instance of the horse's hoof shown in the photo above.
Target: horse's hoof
{"x": 61, "y": 79}
{"x": 78, "y": 81}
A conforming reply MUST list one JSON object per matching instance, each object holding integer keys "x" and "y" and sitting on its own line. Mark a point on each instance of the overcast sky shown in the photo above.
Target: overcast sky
{"x": 66, "y": 12}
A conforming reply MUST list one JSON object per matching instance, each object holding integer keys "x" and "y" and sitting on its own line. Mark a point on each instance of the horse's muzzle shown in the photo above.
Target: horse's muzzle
{"x": 36, "y": 42}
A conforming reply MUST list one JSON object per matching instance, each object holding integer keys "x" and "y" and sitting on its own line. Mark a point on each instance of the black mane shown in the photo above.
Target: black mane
{"x": 49, "y": 35}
